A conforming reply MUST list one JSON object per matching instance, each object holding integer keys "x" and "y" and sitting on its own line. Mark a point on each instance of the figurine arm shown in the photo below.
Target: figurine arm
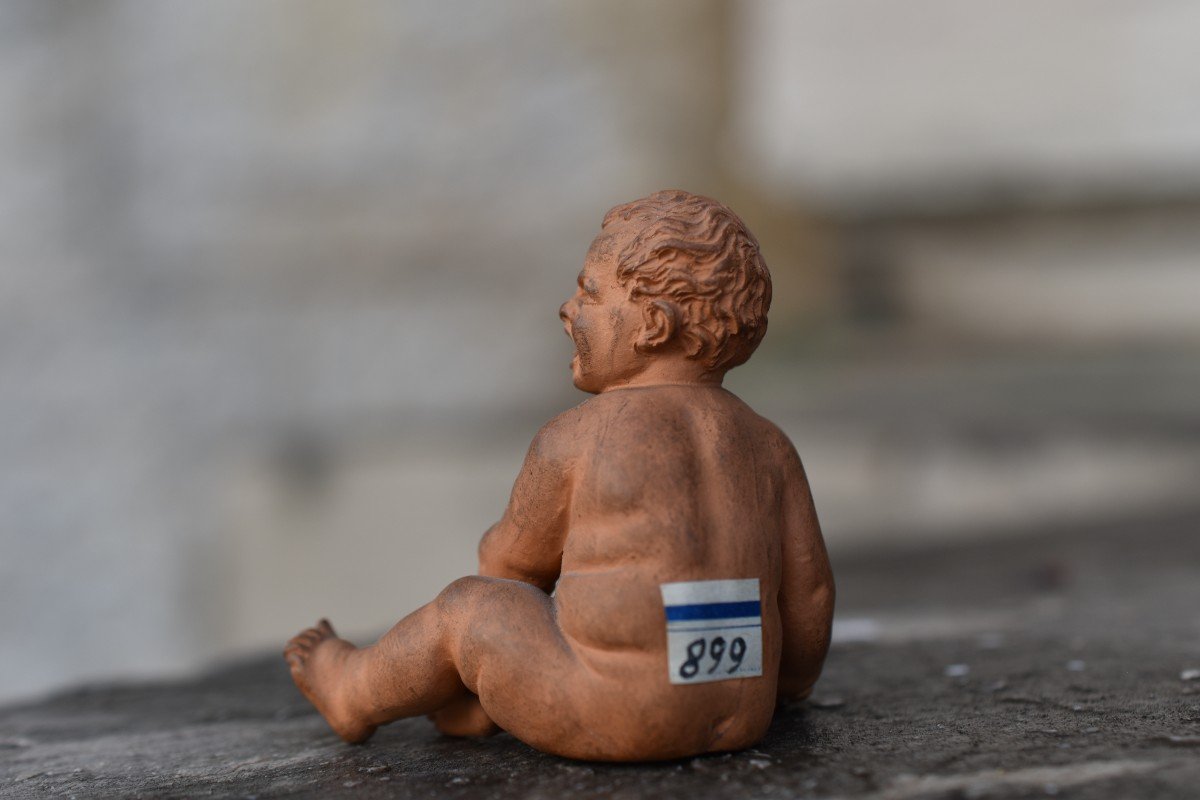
{"x": 527, "y": 543}
{"x": 806, "y": 591}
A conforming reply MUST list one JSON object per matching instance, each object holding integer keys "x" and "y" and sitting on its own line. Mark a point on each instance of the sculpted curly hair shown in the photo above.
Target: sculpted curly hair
{"x": 697, "y": 254}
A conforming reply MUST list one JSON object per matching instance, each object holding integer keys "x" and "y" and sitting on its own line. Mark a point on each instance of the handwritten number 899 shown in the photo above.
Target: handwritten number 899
{"x": 715, "y": 650}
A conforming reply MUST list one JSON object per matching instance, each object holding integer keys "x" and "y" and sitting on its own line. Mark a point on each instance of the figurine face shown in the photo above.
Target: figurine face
{"x": 601, "y": 319}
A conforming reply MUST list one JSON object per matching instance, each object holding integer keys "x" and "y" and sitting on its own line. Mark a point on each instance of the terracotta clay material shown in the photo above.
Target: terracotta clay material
{"x": 659, "y": 581}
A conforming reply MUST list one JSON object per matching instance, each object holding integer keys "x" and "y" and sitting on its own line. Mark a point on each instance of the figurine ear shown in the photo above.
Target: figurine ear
{"x": 660, "y": 323}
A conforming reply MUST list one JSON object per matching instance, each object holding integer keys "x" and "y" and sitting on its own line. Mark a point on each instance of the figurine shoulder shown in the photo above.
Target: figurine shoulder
{"x": 569, "y": 433}
{"x": 778, "y": 442}
{"x": 558, "y": 440}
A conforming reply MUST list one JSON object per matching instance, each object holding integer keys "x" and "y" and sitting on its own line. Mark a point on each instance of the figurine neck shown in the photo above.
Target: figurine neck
{"x": 670, "y": 372}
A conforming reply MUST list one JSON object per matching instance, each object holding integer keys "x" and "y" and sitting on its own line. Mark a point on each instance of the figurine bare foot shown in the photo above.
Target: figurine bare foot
{"x": 464, "y": 717}
{"x": 317, "y": 658}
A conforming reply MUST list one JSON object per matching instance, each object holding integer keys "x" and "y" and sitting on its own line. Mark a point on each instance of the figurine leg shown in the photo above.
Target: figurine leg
{"x": 483, "y": 635}
{"x": 465, "y": 717}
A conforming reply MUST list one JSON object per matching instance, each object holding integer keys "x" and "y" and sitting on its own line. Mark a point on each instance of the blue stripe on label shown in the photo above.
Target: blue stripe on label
{"x": 749, "y": 608}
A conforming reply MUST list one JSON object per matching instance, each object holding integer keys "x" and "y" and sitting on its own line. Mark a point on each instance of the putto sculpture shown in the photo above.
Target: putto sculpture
{"x": 658, "y": 581}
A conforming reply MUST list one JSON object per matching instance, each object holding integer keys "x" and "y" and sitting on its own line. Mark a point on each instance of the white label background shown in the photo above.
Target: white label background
{"x": 682, "y": 633}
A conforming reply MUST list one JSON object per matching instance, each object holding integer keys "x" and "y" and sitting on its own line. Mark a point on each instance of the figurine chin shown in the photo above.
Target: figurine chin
{"x": 577, "y": 376}
{"x": 585, "y": 383}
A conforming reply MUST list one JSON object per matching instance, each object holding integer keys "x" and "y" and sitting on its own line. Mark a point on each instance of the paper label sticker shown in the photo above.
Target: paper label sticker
{"x": 714, "y": 630}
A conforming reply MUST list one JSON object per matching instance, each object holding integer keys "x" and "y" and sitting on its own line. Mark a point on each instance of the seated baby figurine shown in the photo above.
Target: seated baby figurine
{"x": 658, "y": 581}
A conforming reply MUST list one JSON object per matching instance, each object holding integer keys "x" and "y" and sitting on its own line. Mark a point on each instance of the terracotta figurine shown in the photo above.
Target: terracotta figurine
{"x": 658, "y": 581}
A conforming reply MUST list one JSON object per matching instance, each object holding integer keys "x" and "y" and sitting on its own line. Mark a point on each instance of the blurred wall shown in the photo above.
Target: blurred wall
{"x": 280, "y": 282}
{"x": 1024, "y": 171}
{"x": 242, "y": 241}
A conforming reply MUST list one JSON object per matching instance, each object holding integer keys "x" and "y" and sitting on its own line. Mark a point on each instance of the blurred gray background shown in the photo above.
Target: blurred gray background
{"x": 279, "y": 282}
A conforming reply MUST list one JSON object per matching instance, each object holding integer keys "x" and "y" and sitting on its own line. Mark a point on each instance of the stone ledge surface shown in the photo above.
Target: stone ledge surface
{"x": 1029, "y": 667}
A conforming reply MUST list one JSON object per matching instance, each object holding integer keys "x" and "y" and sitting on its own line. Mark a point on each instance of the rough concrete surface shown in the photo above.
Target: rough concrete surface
{"x": 1063, "y": 664}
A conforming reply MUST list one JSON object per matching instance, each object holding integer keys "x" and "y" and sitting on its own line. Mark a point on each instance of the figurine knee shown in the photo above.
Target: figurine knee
{"x": 458, "y": 600}
{"x": 486, "y": 618}
{"x": 459, "y": 608}
{"x": 467, "y": 596}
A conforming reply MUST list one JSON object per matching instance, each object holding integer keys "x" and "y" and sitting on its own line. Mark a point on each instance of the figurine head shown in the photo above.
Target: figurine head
{"x": 674, "y": 289}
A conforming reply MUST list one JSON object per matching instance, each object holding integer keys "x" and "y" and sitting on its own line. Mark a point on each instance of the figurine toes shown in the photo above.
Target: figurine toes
{"x": 300, "y": 646}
